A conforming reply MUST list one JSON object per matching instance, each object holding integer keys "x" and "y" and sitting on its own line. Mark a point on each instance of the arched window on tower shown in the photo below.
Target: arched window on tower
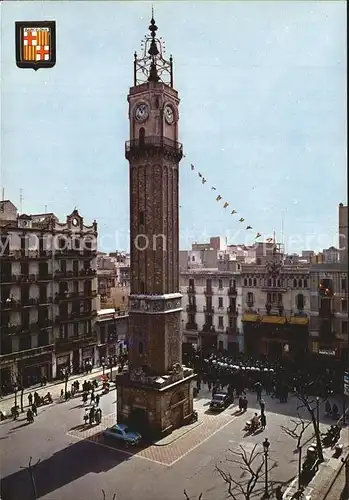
{"x": 141, "y": 136}
{"x": 300, "y": 301}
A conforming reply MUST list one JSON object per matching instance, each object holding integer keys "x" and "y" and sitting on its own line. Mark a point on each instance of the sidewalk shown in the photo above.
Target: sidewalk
{"x": 7, "y": 402}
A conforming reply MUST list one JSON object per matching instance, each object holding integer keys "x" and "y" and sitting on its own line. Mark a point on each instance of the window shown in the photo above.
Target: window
{"x": 209, "y": 284}
{"x": 279, "y": 283}
{"x": 344, "y": 327}
{"x": 75, "y": 266}
{"x": 63, "y": 266}
{"x": 193, "y": 258}
{"x": 140, "y": 348}
{"x": 220, "y": 322}
{"x": 76, "y": 329}
{"x": 274, "y": 282}
{"x": 279, "y": 298}
{"x": 249, "y": 281}
{"x": 344, "y": 305}
{"x": 5, "y": 245}
{"x": 141, "y": 135}
{"x": 269, "y": 298}
{"x": 294, "y": 283}
{"x": 300, "y": 283}
{"x": 24, "y": 243}
{"x": 344, "y": 284}
{"x": 269, "y": 282}
{"x": 220, "y": 302}
{"x": 300, "y": 301}
{"x": 220, "y": 284}
{"x": 254, "y": 282}
{"x": 141, "y": 217}
{"x": 245, "y": 281}
{"x": 305, "y": 283}
{"x": 250, "y": 299}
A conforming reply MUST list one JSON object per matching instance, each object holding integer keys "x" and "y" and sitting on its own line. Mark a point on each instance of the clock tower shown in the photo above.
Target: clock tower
{"x": 155, "y": 394}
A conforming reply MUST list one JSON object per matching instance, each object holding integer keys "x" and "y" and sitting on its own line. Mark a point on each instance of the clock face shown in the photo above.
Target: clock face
{"x": 75, "y": 222}
{"x": 142, "y": 112}
{"x": 169, "y": 115}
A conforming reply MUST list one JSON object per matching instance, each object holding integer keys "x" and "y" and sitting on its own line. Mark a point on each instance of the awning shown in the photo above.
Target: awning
{"x": 250, "y": 317}
{"x": 297, "y": 320}
{"x": 278, "y": 320}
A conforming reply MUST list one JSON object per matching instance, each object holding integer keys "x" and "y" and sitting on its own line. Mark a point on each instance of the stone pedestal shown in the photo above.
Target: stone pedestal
{"x": 155, "y": 406}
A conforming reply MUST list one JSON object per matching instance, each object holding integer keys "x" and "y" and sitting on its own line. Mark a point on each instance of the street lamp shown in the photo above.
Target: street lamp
{"x": 266, "y": 445}
{"x": 317, "y": 413}
{"x": 15, "y": 388}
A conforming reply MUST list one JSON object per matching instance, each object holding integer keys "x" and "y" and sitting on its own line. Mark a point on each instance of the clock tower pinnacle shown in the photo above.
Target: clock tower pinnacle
{"x": 154, "y": 153}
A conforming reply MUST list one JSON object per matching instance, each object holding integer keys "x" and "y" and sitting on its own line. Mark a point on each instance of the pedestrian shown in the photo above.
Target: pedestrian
{"x": 258, "y": 388}
{"x": 86, "y": 416}
{"x": 97, "y": 399}
{"x": 34, "y": 409}
{"x": 245, "y": 404}
{"x": 262, "y": 405}
{"x": 263, "y": 421}
{"x": 30, "y": 399}
{"x": 278, "y": 493}
{"x": 62, "y": 393}
{"x": 241, "y": 404}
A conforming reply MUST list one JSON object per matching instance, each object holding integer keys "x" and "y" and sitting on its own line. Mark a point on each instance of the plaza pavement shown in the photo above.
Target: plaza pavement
{"x": 75, "y": 462}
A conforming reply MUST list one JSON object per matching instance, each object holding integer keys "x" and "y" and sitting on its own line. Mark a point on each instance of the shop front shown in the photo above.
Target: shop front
{"x": 88, "y": 355}
{"x": 62, "y": 362}
{"x": 32, "y": 370}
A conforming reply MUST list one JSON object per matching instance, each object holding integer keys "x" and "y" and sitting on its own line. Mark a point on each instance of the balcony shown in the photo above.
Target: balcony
{"x": 19, "y": 329}
{"x": 44, "y": 323}
{"x": 82, "y": 274}
{"x": 90, "y": 294}
{"x": 75, "y": 254}
{"x": 191, "y": 308}
{"x": 232, "y": 311}
{"x": 208, "y": 291}
{"x": 45, "y": 300}
{"x": 67, "y": 344}
{"x": 7, "y": 279}
{"x": 23, "y": 255}
{"x": 232, "y": 291}
{"x": 153, "y": 145}
{"x": 75, "y": 316}
{"x": 207, "y": 328}
{"x": 208, "y": 310}
{"x": 44, "y": 277}
{"x": 36, "y": 351}
{"x": 191, "y": 290}
{"x": 191, "y": 326}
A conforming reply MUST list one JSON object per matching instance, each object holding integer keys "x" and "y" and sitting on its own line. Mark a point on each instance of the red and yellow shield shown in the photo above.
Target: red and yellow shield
{"x": 35, "y": 44}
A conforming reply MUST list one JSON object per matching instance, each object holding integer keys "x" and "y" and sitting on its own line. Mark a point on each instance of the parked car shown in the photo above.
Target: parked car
{"x": 220, "y": 401}
{"x": 122, "y": 433}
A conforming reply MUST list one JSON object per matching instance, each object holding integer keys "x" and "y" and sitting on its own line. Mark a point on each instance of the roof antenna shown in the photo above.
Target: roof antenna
{"x": 3, "y": 194}
{"x": 45, "y": 209}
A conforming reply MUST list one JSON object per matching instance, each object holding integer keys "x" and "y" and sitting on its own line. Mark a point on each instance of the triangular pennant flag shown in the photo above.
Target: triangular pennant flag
{"x": 258, "y": 235}
{"x": 214, "y": 189}
{"x": 269, "y": 240}
{"x": 249, "y": 227}
{"x": 200, "y": 175}
{"x": 233, "y": 212}
{"x": 192, "y": 166}
{"x": 203, "y": 180}
{"x": 241, "y": 220}
{"x": 218, "y": 197}
{"x": 226, "y": 204}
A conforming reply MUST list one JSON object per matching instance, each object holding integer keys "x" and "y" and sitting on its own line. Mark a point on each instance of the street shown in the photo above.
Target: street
{"x": 75, "y": 461}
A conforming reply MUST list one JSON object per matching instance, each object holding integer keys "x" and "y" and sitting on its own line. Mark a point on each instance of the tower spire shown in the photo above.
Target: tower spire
{"x": 153, "y": 50}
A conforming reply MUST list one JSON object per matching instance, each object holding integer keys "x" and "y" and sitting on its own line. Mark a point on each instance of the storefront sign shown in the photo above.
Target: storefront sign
{"x": 63, "y": 360}
{"x": 87, "y": 353}
{"x": 327, "y": 352}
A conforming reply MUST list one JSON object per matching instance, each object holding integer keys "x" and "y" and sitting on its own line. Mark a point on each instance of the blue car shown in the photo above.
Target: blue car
{"x": 123, "y": 434}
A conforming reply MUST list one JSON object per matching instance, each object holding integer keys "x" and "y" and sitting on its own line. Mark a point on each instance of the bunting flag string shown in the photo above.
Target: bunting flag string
{"x": 226, "y": 204}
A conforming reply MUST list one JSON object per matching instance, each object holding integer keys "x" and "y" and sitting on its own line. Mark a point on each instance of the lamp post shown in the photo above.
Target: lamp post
{"x": 299, "y": 466}
{"x": 317, "y": 413}
{"x": 266, "y": 445}
{"x": 15, "y": 388}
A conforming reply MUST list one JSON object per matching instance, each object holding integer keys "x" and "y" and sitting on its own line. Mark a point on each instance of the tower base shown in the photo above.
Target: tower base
{"x": 155, "y": 407}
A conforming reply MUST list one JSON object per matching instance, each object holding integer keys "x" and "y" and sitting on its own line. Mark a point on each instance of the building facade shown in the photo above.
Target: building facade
{"x": 156, "y": 393}
{"x": 211, "y": 317}
{"x": 112, "y": 332}
{"x": 48, "y": 294}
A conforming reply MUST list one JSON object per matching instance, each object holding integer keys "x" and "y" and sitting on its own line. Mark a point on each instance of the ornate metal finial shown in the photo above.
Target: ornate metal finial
{"x": 153, "y": 67}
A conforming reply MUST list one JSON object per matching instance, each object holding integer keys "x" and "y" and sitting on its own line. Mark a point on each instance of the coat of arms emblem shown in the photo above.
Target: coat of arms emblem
{"x": 35, "y": 44}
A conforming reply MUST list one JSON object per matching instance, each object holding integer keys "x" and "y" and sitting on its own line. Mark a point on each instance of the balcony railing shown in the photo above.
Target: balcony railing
{"x": 191, "y": 308}
{"x": 191, "y": 289}
{"x": 60, "y": 297}
{"x": 83, "y": 273}
{"x": 232, "y": 291}
{"x": 208, "y": 310}
{"x": 232, "y": 311}
{"x": 153, "y": 144}
{"x": 75, "y": 316}
{"x": 74, "y": 253}
{"x": 36, "y": 351}
{"x": 7, "y": 279}
{"x": 208, "y": 291}
{"x": 27, "y": 255}
{"x": 19, "y": 329}
{"x": 208, "y": 328}
{"x": 191, "y": 326}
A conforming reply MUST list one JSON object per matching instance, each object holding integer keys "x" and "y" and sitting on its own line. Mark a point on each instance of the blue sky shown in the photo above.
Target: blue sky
{"x": 263, "y": 115}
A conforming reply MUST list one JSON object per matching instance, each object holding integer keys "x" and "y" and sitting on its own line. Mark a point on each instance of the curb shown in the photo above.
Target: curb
{"x": 178, "y": 437}
{"x": 338, "y": 472}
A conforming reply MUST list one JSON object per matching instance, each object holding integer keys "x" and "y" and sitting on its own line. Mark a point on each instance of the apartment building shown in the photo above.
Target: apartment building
{"x": 276, "y": 306}
{"x": 48, "y": 294}
{"x": 211, "y": 303}
{"x": 112, "y": 330}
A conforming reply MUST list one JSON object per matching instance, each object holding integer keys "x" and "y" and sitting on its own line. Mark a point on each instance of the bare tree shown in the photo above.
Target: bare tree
{"x": 308, "y": 405}
{"x": 297, "y": 432}
{"x": 253, "y": 467}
